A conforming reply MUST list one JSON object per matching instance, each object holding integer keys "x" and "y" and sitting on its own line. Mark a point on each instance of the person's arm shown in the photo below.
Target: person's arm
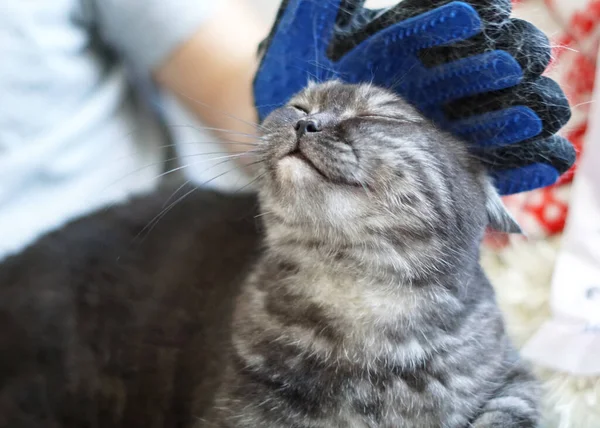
{"x": 212, "y": 71}
{"x": 203, "y": 50}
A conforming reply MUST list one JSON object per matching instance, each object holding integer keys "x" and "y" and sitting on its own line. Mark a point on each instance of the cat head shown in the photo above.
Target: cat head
{"x": 347, "y": 158}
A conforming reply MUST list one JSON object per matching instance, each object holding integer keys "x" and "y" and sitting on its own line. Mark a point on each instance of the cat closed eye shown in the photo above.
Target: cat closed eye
{"x": 300, "y": 108}
{"x": 383, "y": 117}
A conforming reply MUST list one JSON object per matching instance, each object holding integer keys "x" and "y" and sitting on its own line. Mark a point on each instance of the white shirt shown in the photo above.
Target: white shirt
{"x": 73, "y": 137}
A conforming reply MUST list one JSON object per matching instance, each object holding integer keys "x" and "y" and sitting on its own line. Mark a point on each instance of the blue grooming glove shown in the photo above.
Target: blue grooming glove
{"x": 465, "y": 65}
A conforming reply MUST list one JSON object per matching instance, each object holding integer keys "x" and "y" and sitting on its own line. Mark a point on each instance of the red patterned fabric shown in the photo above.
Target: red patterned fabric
{"x": 544, "y": 212}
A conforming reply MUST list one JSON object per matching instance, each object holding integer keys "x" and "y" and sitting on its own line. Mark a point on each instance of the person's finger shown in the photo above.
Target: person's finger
{"x": 466, "y": 77}
{"x": 529, "y": 164}
{"x": 521, "y": 39}
{"x": 446, "y": 24}
{"x": 524, "y": 179}
{"x": 295, "y": 51}
{"x": 490, "y": 11}
{"x": 309, "y": 23}
{"x": 542, "y": 95}
{"x": 498, "y": 128}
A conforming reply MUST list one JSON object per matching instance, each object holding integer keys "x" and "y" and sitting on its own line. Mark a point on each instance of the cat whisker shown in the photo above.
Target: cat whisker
{"x": 252, "y": 181}
{"x": 566, "y": 47}
{"x": 203, "y": 104}
{"x": 152, "y": 223}
{"x": 309, "y": 75}
{"x": 235, "y": 155}
{"x": 321, "y": 66}
{"x": 227, "y": 159}
{"x": 191, "y": 155}
{"x": 398, "y": 81}
{"x": 212, "y": 128}
{"x": 221, "y": 141}
{"x": 263, "y": 214}
{"x": 198, "y": 128}
{"x": 583, "y": 103}
{"x": 209, "y": 168}
{"x": 176, "y": 192}
{"x": 226, "y": 142}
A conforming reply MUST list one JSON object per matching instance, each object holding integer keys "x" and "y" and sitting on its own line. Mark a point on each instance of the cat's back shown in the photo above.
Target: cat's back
{"x": 105, "y": 322}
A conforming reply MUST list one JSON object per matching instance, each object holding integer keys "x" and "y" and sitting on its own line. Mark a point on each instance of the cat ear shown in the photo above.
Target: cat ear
{"x": 499, "y": 218}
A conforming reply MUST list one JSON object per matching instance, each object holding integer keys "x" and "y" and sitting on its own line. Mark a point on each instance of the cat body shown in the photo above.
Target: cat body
{"x": 361, "y": 304}
{"x": 369, "y": 307}
{"x": 105, "y": 325}
{"x": 340, "y": 360}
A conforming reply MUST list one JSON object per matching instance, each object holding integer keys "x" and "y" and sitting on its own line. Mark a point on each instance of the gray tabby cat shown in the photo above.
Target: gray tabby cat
{"x": 369, "y": 307}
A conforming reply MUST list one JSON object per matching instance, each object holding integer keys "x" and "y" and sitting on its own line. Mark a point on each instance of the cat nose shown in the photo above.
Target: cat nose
{"x": 307, "y": 125}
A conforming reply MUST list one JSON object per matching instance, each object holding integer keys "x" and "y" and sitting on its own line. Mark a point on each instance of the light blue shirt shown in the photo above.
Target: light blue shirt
{"x": 73, "y": 137}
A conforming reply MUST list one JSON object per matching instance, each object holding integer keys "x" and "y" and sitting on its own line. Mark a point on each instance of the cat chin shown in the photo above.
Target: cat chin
{"x": 296, "y": 171}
